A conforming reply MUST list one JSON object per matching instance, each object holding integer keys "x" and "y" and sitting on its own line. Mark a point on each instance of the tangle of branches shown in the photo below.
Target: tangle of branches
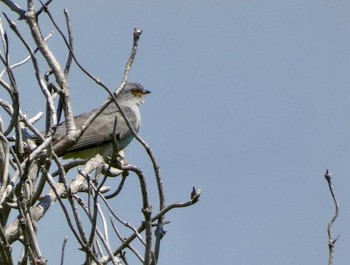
{"x": 33, "y": 177}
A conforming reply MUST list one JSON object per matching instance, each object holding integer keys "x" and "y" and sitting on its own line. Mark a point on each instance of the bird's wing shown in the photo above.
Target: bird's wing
{"x": 60, "y": 132}
{"x": 102, "y": 128}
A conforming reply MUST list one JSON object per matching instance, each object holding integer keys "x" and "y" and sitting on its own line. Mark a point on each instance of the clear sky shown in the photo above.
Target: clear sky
{"x": 250, "y": 103}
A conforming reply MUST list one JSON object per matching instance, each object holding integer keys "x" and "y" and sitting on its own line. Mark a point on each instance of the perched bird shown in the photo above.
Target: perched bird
{"x": 98, "y": 137}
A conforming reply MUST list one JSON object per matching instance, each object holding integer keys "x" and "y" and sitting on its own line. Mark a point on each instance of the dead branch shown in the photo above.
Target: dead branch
{"x": 331, "y": 240}
{"x": 33, "y": 177}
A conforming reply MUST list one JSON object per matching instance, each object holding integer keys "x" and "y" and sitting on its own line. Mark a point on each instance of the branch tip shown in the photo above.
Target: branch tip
{"x": 195, "y": 194}
{"x": 328, "y": 175}
{"x": 137, "y": 34}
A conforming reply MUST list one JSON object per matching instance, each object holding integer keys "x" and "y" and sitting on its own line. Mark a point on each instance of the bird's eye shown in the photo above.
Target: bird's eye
{"x": 137, "y": 92}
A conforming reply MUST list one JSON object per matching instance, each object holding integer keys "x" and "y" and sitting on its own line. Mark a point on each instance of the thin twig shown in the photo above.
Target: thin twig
{"x": 111, "y": 255}
{"x": 103, "y": 219}
{"x": 146, "y": 210}
{"x": 42, "y": 8}
{"x": 115, "y": 229}
{"x": 14, "y": 92}
{"x": 71, "y": 42}
{"x": 65, "y": 211}
{"x": 118, "y": 190}
{"x": 27, "y": 58}
{"x": 5, "y": 148}
{"x": 53, "y": 63}
{"x": 63, "y": 248}
{"x": 121, "y": 221}
{"x": 5, "y": 247}
{"x": 14, "y": 7}
{"x": 32, "y": 240}
{"x": 194, "y": 198}
{"x": 41, "y": 83}
{"x": 331, "y": 240}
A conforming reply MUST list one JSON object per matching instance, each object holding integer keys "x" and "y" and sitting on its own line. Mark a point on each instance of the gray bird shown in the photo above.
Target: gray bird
{"x": 98, "y": 137}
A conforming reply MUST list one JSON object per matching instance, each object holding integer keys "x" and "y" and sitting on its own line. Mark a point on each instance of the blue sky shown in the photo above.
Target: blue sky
{"x": 250, "y": 103}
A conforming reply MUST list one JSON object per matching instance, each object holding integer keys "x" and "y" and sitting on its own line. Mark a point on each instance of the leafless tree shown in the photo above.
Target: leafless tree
{"x": 33, "y": 177}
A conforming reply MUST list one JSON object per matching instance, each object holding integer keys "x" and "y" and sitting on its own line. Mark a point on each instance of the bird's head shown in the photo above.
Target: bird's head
{"x": 134, "y": 92}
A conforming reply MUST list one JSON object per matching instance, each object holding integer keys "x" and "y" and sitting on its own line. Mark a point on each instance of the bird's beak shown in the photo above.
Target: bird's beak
{"x": 145, "y": 92}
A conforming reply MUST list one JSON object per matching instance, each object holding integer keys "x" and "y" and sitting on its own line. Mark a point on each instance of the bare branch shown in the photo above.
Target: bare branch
{"x": 54, "y": 65}
{"x": 146, "y": 210}
{"x": 111, "y": 255}
{"x": 37, "y": 73}
{"x": 14, "y": 7}
{"x": 137, "y": 254}
{"x": 43, "y": 7}
{"x": 20, "y": 63}
{"x": 194, "y": 198}
{"x": 28, "y": 171}
{"x": 118, "y": 190}
{"x": 71, "y": 43}
{"x": 63, "y": 248}
{"x": 331, "y": 240}
{"x": 5, "y": 248}
{"x": 58, "y": 192}
{"x": 4, "y": 162}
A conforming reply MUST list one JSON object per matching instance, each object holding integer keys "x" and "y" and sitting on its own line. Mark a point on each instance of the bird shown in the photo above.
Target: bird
{"x": 109, "y": 132}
